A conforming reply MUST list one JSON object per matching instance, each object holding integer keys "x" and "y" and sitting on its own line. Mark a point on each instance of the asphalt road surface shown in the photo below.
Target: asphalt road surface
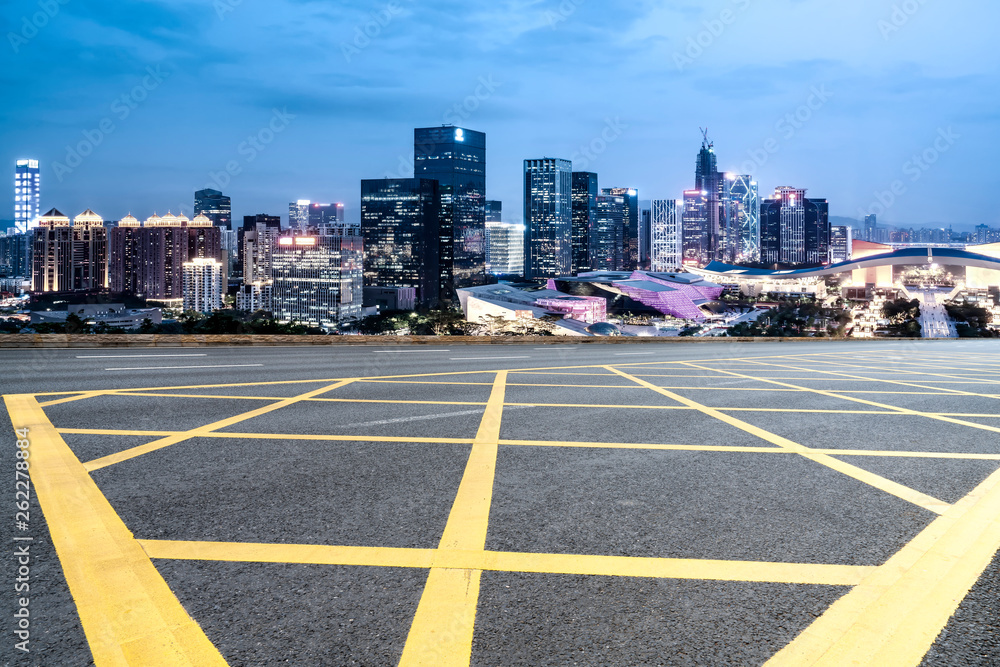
{"x": 684, "y": 504}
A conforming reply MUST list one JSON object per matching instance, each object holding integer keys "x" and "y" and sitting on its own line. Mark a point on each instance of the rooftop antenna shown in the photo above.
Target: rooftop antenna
{"x": 706, "y": 143}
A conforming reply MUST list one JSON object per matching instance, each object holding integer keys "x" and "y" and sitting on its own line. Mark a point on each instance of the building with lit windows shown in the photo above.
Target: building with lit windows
{"x": 456, "y": 158}
{"x": 214, "y": 205}
{"x": 741, "y": 205}
{"x": 548, "y": 218}
{"x": 69, "y": 257}
{"x": 400, "y": 222}
{"x": 15, "y": 255}
{"x": 794, "y": 229}
{"x": 203, "y": 285}
{"x": 147, "y": 259}
{"x": 608, "y": 248}
{"x": 629, "y": 254}
{"x": 840, "y": 243}
{"x": 585, "y": 193}
{"x": 27, "y": 194}
{"x": 504, "y": 248}
{"x": 665, "y": 229}
{"x": 317, "y": 277}
{"x": 694, "y": 228}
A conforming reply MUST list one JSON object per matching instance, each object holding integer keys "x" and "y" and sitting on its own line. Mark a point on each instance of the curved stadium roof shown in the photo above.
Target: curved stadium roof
{"x": 901, "y": 257}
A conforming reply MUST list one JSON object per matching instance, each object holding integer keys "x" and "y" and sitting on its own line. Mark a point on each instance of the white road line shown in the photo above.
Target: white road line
{"x": 463, "y": 413}
{"x": 411, "y": 351}
{"x": 136, "y": 356}
{"x": 633, "y": 354}
{"x": 159, "y": 368}
{"x": 484, "y": 358}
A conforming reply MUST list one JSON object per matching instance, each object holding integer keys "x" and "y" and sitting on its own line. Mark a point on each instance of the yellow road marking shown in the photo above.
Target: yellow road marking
{"x": 544, "y": 443}
{"x": 442, "y": 629}
{"x": 118, "y": 457}
{"x": 129, "y": 614}
{"x": 497, "y": 561}
{"x": 892, "y": 618}
{"x": 887, "y": 485}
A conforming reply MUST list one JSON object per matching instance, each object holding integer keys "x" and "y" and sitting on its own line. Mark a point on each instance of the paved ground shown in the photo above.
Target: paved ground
{"x": 692, "y": 504}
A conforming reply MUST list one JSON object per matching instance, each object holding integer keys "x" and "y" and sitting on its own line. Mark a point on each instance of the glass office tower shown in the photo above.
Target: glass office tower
{"x": 215, "y": 206}
{"x": 629, "y": 260}
{"x": 742, "y": 226}
{"x": 456, "y": 158}
{"x": 548, "y": 218}
{"x": 27, "y": 194}
{"x": 607, "y": 237}
{"x": 400, "y": 223}
{"x": 585, "y": 192}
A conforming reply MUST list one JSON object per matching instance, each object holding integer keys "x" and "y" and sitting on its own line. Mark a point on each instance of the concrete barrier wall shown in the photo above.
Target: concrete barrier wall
{"x": 158, "y": 340}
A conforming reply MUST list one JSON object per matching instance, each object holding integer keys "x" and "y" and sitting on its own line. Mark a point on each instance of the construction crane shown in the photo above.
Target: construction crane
{"x": 706, "y": 143}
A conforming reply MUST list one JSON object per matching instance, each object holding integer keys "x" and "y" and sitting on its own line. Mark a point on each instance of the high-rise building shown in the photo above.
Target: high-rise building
{"x": 871, "y": 227}
{"x": 298, "y": 214}
{"x": 317, "y": 277}
{"x": 712, "y": 183}
{"x": 15, "y": 255}
{"x": 400, "y": 222}
{"x": 694, "y": 228}
{"x": 215, "y": 206}
{"x": 629, "y": 260}
{"x": 147, "y": 260}
{"x": 27, "y": 194}
{"x": 585, "y": 193}
{"x": 982, "y": 234}
{"x": 741, "y": 202}
{"x": 494, "y": 211}
{"x": 607, "y": 236}
{"x": 456, "y": 158}
{"x": 840, "y": 243}
{"x": 68, "y": 257}
{"x": 548, "y": 218}
{"x": 645, "y": 238}
{"x": 504, "y": 248}
{"x": 666, "y": 251}
{"x": 254, "y": 224}
{"x": 795, "y": 230}
{"x": 203, "y": 285}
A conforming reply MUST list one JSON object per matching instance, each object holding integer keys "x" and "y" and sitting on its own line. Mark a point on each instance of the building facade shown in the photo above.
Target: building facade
{"x": 27, "y": 194}
{"x": 203, "y": 285}
{"x": 15, "y": 255}
{"x": 317, "y": 277}
{"x": 68, "y": 258}
{"x": 548, "y": 218}
{"x": 504, "y": 248}
{"x": 494, "y": 211}
{"x": 585, "y": 193}
{"x": 742, "y": 211}
{"x": 456, "y": 158}
{"x": 694, "y": 228}
{"x": 215, "y": 206}
{"x": 666, "y": 251}
{"x": 629, "y": 255}
{"x": 401, "y": 224}
{"x": 608, "y": 248}
{"x": 795, "y": 230}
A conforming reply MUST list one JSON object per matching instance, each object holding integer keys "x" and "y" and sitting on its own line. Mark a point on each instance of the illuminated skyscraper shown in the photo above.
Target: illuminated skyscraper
{"x": 298, "y": 214}
{"x": 456, "y": 158}
{"x": 607, "y": 236}
{"x": 629, "y": 258}
{"x": 215, "y": 206}
{"x": 585, "y": 193}
{"x": 504, "y": 248}
{"x": 741, "y": 202}
{"x": 27, "y": 194}
{"x": 317, "y": 277}
{"x": 69, "y": 257}
{"x": 665, "y": 229}
{"x": 548, "y": 218}
{"x": 871, "y": 225}
{"x": 494, "y": 211}
{"x": 794, "y": 230}
{"x": 203, "y": 285}
{"x": 840, "y": 243}
{"x": 400, "y": 222}
{"x": 694, "y": 228}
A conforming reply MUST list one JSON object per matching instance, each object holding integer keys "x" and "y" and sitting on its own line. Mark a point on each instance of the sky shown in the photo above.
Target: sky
{"x": 885, "y": 106}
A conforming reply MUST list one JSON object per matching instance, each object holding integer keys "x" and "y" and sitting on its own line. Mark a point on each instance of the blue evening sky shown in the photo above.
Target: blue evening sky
{"x": 162, "y": 96}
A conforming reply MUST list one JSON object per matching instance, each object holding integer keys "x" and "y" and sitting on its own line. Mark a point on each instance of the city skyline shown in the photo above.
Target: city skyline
{"x": 848, "y": 125}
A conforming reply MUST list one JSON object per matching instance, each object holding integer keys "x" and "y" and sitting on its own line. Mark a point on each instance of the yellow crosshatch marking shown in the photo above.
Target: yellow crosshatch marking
{"x": 891, "y": 615}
